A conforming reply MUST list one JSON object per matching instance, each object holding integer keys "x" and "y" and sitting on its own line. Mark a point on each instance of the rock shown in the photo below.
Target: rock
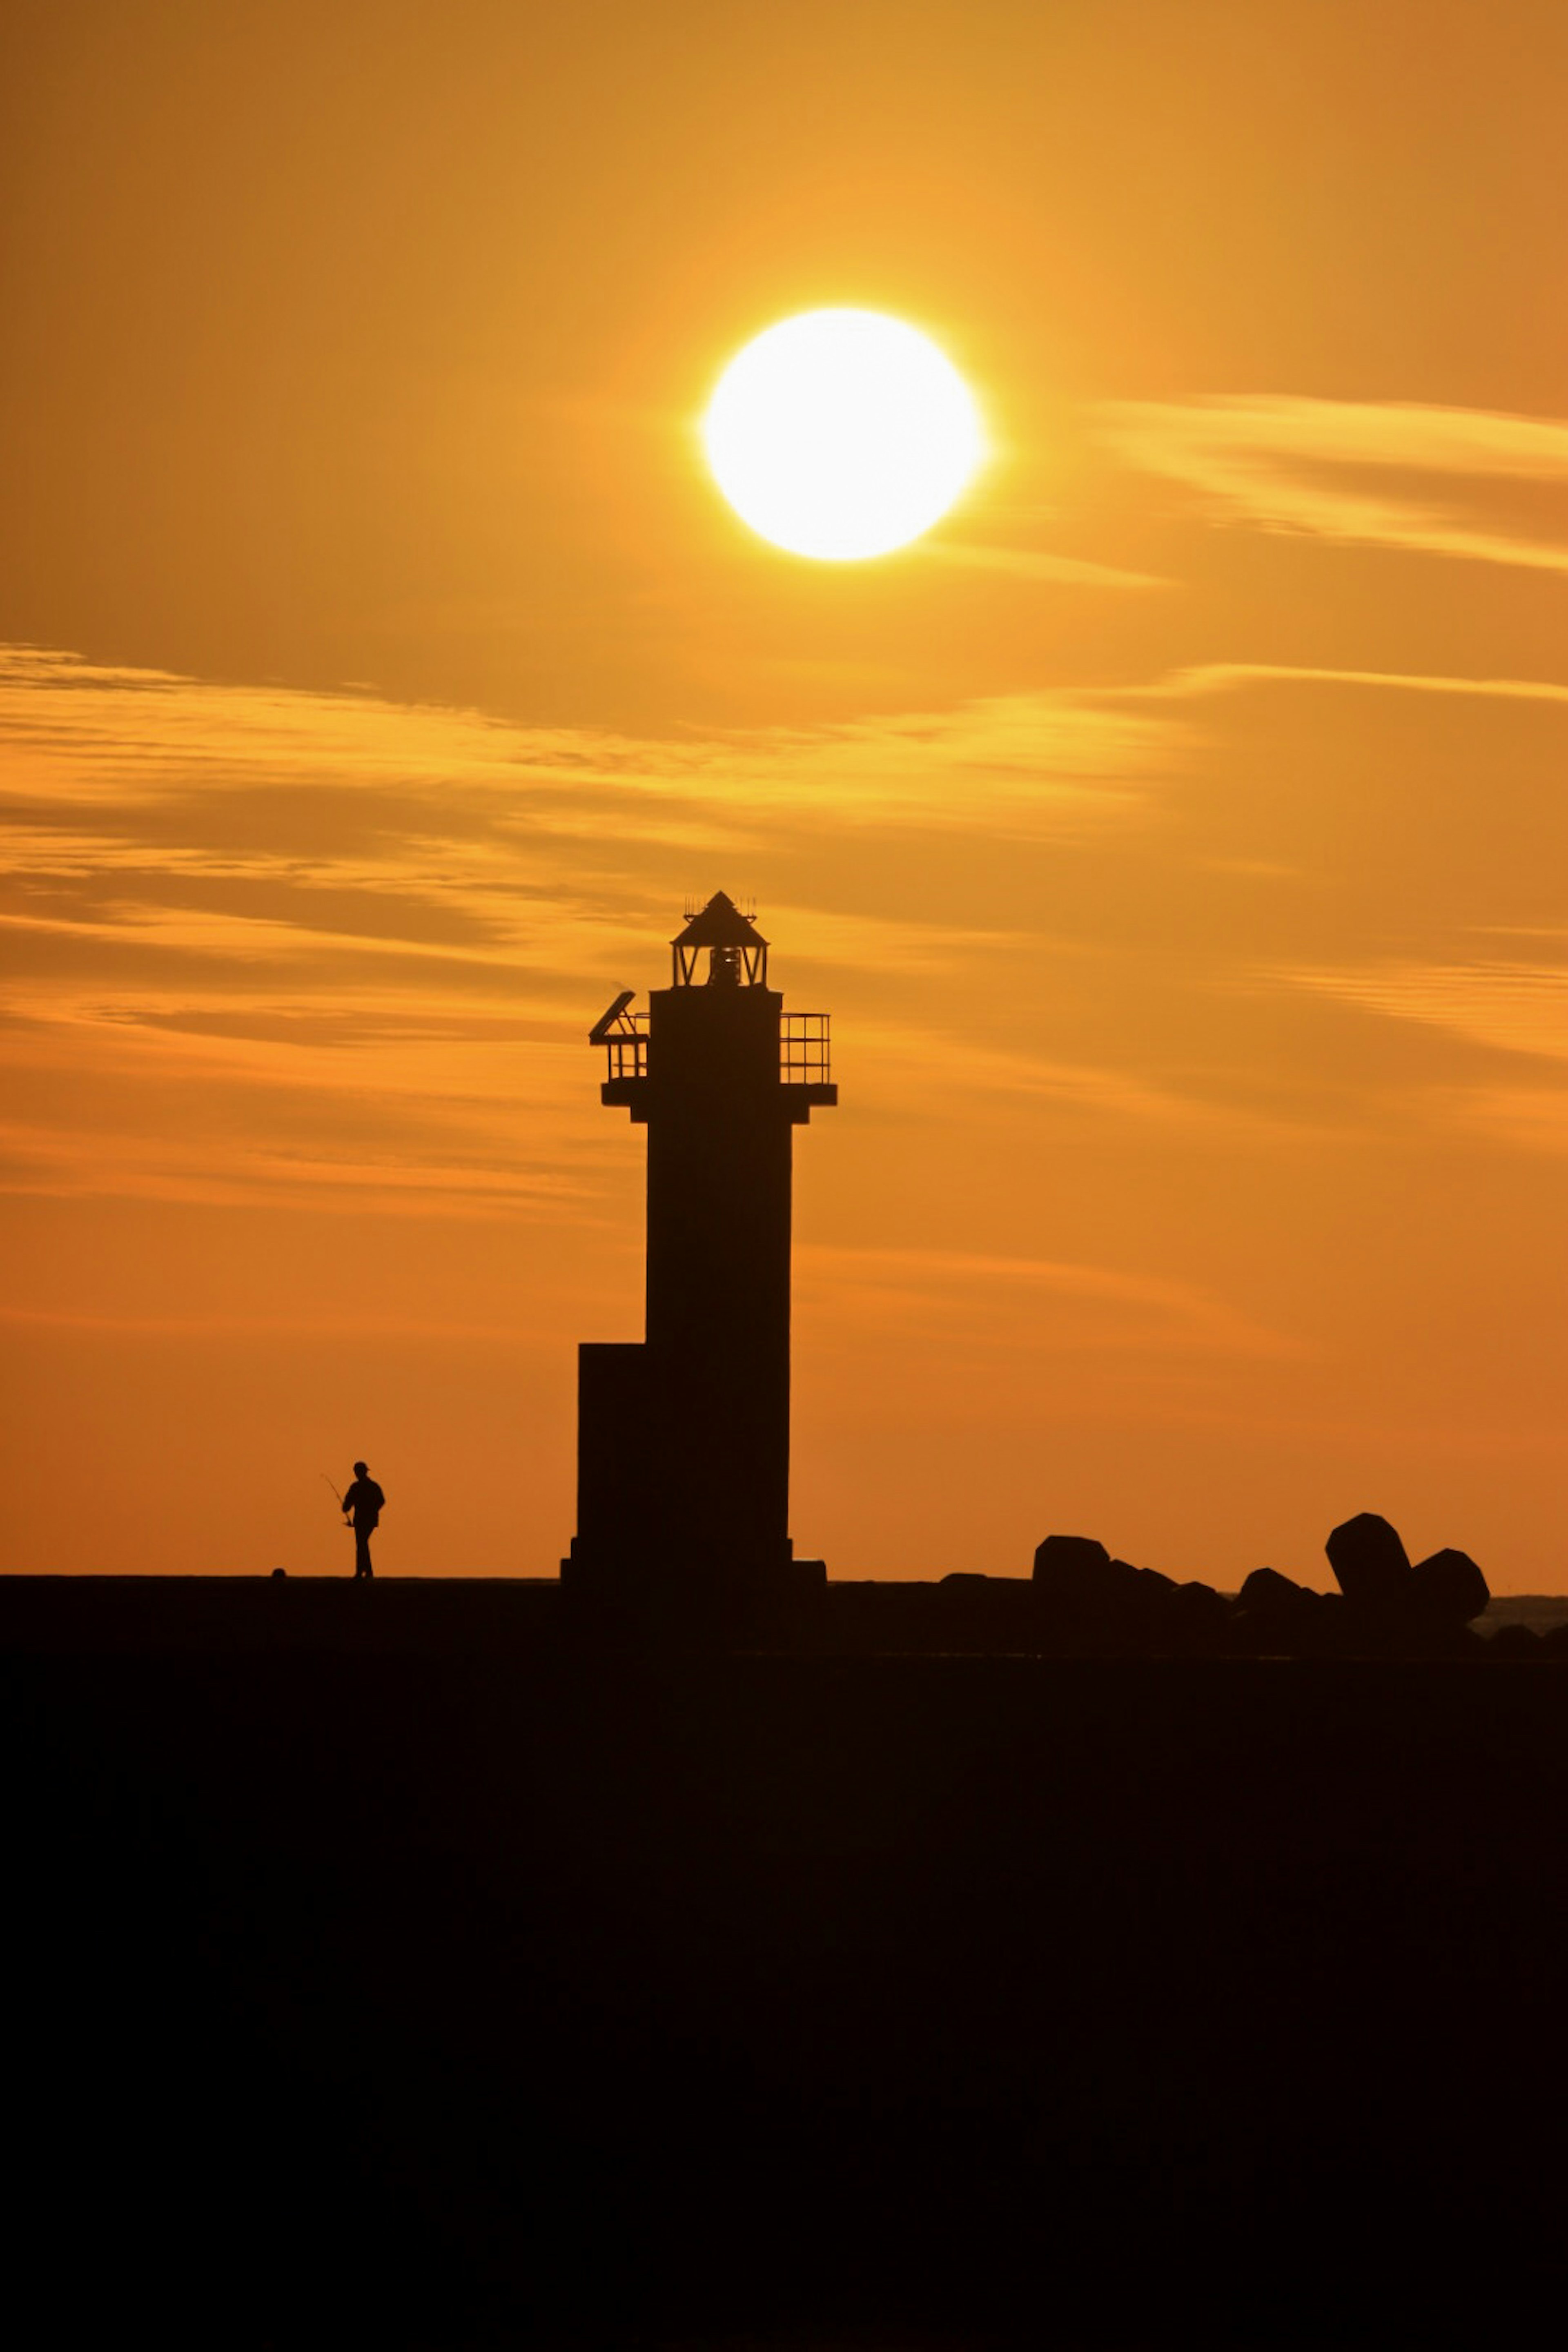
{"x": 1514, "y": 1641}
{"x": 1277, "y": 1621}
{"x": 1079, "y": 1573}
{"x": 1088, "y": 1600}
{"x": 1371, "y": 1564}
{"x": 1070, "y": 1563}
{"x": 1323, "y": 1625}
{"x": 1266, "y": 1590}
{"x": 1333, "y": 1626}
{"x": 1449, "y": 1588}
{"x": 1279, "y": 1618}
{"x": 1555, "y": 1641}
{"x": 1192, "y": 1618}
{"x": 1275, "y": 1616}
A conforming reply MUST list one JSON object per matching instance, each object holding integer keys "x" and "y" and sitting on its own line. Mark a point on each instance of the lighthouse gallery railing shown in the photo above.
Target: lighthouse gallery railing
{"x": 806, "y": 1057}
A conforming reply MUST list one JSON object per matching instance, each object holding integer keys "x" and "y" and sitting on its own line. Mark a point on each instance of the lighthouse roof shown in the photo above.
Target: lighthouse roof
{"x": 721, "y": 924}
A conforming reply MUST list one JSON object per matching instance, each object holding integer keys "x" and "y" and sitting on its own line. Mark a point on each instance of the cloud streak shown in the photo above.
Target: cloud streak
{"x": 938, "y": 1294}
{"x": 1029, "y": 564}
{"x": 375, "y": 924}
{"x": 85, "y": 736}
{"x": 328, "y": 949}
{"x": 1349, "y": 470}
{"x": 1514, "y": 1008}
{"x": 1208, "y": 678}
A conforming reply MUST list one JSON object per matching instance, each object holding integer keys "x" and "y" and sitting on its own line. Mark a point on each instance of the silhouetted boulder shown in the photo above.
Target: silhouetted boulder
{"x": 1276, "y": 1617}
{"x": 970, "y": 1611}
{"x": 1193, "y": 1620}
{"x": 1323, "y": 1625}
{"x": 1069, "y": 1564}
{"x": 1449, "y": 1589}
{"x": 1554, "y": 1642}
{"x": 1371, "y": 1564}
{"x": 1090, "y": 1600}
{"x": 1268, "y": 1592}
{"x": 1333, "y": 1626}
{"x": 1514, "y": 1641}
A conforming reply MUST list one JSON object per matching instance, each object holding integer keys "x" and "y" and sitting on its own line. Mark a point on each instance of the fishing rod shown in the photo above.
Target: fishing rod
{"x": 341, "y": 1505}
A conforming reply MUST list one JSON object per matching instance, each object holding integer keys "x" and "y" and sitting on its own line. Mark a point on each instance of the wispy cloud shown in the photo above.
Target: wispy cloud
{"x": 325, "y": 946}
{"x": 1208, "y": 678}
{"x": 78, "y": 734}
{"x": 1033, "y": 563}
{"x": 939, "y": 1293}
{"x": 1531, "y": 1118}
{"x": 1353, "y": 470}
{"x": 1514, "y": 1008}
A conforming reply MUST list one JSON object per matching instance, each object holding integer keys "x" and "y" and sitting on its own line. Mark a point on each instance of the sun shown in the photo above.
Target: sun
{"x": 841, "y": 434}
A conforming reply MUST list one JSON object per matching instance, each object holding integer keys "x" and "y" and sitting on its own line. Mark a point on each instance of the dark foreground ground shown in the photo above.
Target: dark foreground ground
{"x": 388, "y": 1966}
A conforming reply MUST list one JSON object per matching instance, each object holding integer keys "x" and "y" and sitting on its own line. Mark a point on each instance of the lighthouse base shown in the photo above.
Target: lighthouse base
{"x": 687, "y": 1591}
{"x": 682, "y": 1492}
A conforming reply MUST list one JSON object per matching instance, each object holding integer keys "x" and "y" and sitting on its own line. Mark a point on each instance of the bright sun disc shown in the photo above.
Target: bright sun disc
{"x": 841, "y": 434}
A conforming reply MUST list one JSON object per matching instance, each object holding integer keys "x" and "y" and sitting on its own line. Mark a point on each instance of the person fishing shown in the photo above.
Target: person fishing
{"x": 363, "y": 1506}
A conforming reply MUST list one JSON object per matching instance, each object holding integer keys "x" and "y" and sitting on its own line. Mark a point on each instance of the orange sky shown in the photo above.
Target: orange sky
{"x": 1178, "y": 835}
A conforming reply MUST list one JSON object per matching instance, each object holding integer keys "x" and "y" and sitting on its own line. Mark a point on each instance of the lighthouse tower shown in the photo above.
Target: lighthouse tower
{"x": 683, "y": 1439}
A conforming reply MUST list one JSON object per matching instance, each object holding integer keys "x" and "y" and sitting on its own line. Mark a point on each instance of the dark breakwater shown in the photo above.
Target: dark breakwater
{"x": 409, "y": 1965}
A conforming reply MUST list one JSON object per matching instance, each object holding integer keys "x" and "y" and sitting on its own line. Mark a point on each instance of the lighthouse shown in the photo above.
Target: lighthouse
{"x": 683, "y": 1437}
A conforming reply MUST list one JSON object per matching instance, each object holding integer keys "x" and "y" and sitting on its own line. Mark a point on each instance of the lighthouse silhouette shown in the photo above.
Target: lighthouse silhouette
{"x": 683, "y": 1439}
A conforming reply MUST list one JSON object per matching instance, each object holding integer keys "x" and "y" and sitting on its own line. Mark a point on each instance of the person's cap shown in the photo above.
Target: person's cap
{"x": 359, "y": 1469}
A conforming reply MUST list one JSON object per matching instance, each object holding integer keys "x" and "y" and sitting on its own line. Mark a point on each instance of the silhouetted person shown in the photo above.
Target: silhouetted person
{"x": 364, "y": 1504}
